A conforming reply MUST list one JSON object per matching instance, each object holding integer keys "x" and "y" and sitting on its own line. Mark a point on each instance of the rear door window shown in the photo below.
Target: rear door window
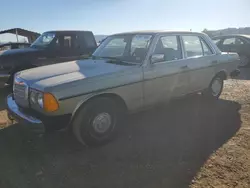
{"x": 89, "y": 40}
{"x": 239, "y": 41}
{"x": 67, "y": 41}
{"x": 192, "y": 46}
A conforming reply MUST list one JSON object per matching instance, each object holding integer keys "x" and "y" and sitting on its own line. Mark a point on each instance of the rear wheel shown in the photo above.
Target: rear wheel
{"x": 215, "y": 88}
{"x": 96, "y": 123}
{"x": 244, "y": 61}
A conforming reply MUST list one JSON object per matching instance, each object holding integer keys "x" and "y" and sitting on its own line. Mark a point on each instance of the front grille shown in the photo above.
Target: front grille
{"x": 20, "y": 91}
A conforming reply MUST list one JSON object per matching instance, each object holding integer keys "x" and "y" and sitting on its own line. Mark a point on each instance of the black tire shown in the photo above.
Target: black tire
{"x": 92, "y": 131}
{"x": 210, "y": 93}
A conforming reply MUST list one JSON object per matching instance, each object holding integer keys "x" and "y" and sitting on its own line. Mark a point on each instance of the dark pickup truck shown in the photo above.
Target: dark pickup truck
{"x": 51, "y": 47}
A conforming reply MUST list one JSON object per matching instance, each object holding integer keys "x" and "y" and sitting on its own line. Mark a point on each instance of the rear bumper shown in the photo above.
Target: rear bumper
{"x": 14, "y": 113}
{"x": 3, "y": 79}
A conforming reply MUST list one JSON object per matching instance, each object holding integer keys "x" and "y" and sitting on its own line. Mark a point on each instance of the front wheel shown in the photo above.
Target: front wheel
{"x": 96, "y": 123}
{"x": 215, "y": 88}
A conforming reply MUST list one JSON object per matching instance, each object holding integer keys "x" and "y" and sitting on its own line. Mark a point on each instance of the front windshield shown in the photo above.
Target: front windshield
{"x": 44, "y": 40}
{"x": 129, "y": 48}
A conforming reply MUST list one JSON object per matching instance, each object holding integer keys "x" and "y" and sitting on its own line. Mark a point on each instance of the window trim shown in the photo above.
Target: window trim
{"x": 178, "y": 37}
{"x": 212, "y": 53}
{"x": 210, "y": 44}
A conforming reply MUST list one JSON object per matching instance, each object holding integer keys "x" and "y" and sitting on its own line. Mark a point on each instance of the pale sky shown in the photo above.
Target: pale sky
{"x": 112, "y": 16}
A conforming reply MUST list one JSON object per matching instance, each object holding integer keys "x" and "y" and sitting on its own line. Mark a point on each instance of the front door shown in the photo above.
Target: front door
{"x": 166, "y": 78}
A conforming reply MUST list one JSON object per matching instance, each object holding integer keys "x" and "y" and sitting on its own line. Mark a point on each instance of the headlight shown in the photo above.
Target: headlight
{"x": 40, "y": 100}
{"x": 36, "y": 98}
{"x": 33, "y": 97}
{"x": 45, "y": 101}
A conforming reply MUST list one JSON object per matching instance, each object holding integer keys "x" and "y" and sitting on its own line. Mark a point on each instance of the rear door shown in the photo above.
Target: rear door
{"x": 201, "y": 60}
{"x": 167, "y": 78}
{"x": 67, "y": 48}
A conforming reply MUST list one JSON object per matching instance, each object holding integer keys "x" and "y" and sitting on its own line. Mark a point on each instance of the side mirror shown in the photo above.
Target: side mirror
{"x": 157, "y": 58}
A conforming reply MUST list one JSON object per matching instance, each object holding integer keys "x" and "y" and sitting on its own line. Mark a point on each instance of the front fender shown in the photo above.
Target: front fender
{"x": 117, "y": 98}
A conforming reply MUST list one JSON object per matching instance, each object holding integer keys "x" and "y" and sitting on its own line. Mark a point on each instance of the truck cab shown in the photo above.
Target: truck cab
{"x": 60, "y": 46}
{"x": 49, "y": 48}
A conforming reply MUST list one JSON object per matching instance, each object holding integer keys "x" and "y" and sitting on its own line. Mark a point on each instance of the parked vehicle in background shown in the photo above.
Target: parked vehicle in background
{"x": 235, "y": 43}
{"x": 13, "y": 45}
{"x": 128, "y": 72}
{"x": 51, "y": 47}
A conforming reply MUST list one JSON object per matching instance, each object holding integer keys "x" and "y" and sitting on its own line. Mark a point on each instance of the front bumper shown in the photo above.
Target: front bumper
{"x": 14, "y": 112}
{"x": 3, "y": 79}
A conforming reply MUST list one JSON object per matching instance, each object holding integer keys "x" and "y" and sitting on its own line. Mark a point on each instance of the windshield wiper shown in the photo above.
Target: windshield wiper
{"x": 114, "y": 60}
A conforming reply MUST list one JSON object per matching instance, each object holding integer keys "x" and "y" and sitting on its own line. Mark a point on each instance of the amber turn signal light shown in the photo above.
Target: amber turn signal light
{"x": 50, "y": 103}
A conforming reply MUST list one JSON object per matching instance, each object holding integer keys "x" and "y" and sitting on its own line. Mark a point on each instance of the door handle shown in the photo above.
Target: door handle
{"x": 214, "y": 62}
{"x": 184, "y": 67}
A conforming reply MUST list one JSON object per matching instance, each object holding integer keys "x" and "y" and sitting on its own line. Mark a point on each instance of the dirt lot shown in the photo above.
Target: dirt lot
{"x": 189, "y": 143}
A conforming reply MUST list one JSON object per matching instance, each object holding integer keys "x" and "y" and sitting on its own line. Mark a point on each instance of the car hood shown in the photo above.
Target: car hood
{"x": 17, "y": 51}
{"x": 51, "y": 75}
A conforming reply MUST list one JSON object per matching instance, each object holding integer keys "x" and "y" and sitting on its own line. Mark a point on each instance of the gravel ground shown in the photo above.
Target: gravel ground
{"x": 189, "y": 143}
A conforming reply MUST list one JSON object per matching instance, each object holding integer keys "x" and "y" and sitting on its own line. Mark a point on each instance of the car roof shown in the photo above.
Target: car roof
{"x": 231, "y": 35}
{"x": 154, "y": 32}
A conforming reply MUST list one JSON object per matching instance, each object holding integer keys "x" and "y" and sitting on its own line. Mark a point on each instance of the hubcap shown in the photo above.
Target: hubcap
{"x": 216, "y": 87}
{"x": 102, "y": 122}
{"x": 243, "y": 61}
